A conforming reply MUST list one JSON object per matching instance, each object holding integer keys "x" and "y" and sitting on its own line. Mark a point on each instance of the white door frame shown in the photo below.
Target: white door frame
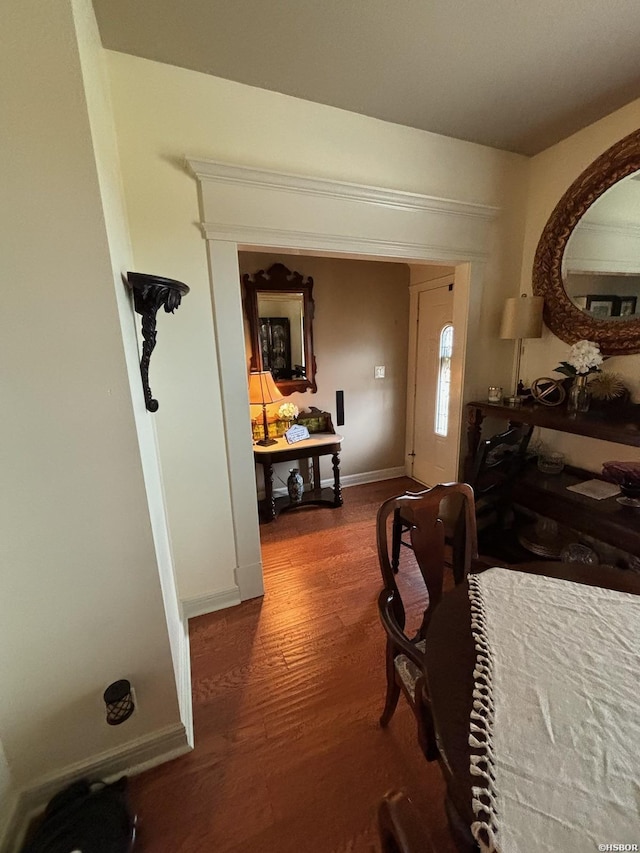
{"x": 461, "y": 289}
{"x": 253, "y": 209}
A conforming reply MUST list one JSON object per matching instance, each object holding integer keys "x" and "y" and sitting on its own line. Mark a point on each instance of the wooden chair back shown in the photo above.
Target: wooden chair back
{"x": 423, "y": 511}
{"x": 498, "y": 462}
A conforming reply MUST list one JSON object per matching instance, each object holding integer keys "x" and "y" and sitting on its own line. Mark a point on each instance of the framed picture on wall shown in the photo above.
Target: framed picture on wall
{"x": 602, "y": 306}
{"x": 626, "y": 305}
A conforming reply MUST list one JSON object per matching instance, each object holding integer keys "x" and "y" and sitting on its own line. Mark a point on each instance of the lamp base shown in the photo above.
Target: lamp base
{"x": 265, "y": 442}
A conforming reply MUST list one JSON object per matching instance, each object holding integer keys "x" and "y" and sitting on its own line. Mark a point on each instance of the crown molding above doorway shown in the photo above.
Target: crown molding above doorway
{"x": 250, "y": 208}
{"x": 230, "y": 173}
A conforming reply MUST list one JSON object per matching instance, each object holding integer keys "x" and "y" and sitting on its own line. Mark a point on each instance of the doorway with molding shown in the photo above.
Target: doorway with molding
{"x": 252, "y": 209}
{"x": 370, "y": 312}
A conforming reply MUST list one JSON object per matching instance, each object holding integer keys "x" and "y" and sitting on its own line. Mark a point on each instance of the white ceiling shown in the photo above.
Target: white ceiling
{"x": 514, "y": 74}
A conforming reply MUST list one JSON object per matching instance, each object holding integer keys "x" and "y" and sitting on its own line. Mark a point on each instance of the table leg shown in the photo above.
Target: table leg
{"x": 337, "y": 491}
{"x": 269, "y": 502}
{"x": 315, "y": 469}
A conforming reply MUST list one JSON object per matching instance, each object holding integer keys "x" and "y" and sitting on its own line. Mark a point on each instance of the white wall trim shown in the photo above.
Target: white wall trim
{"x": 186, "y": 697}
{"x": 129, "y": 759}
{"x": 611, "y": 248}
{"x": 300, "y": 184}
{"x": 259, "y": 237}
{"x": 249, "y": 575}
{"x": 587, "y": 266}
{"x": 619, "y": 229}
{"x": 198, "y": 605}
{"x": 242, "y": 206}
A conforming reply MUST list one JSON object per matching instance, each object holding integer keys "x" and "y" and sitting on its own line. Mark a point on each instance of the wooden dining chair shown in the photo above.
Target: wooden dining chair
{"x": 498, "y": 462}
{"x": 405, "y": 656}
{"x": 400, "y": 826}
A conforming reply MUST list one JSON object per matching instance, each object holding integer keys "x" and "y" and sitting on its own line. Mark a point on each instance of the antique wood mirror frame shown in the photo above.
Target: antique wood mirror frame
{"x": 561, "y": 315}
{"x": 279, "y": 279}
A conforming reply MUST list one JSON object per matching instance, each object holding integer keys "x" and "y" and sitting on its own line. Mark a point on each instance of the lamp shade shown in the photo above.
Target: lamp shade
{"x": 262, "y": 389}
{"x": 522, "y": 317}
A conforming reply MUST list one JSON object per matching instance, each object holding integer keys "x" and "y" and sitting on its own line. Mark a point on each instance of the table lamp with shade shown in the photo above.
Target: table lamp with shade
{"x": 262, "y": 391}
{"x": 521, "y": 318}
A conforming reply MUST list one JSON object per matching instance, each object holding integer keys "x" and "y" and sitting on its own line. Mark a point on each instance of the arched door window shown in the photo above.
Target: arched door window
{"x": 444, "y": 380}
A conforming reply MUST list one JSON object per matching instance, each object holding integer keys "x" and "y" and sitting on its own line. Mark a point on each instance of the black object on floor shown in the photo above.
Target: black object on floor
{"x": 89, "y": 816}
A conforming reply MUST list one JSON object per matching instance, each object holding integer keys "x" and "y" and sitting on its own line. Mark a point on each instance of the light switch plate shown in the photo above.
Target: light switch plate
{"x": 378, "y": 372}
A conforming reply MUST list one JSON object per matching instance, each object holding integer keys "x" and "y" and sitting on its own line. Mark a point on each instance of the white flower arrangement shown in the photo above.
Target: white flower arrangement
{"x": 288, "y": 412}
{"x": 584, "y": 357}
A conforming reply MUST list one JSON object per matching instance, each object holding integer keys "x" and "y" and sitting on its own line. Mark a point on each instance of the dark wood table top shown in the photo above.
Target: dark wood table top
{"x": 450, "y": 661}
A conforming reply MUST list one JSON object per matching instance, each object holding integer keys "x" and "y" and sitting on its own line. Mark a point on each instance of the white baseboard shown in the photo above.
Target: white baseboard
{"x": 198, "y": 605}
{"x": 129, "y": 759}
{"x": 347, "y": 480}
{"x": 250, "y": 580}
{"x": 367, "y": 477}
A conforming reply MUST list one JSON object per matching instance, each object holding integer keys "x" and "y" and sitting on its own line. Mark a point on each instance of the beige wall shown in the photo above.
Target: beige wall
{"x": 551, "y": 173}
{"x": 361, "y": 320}
{"x": 81, "y": 601}
{"x": 98, "y": 95}
{"x": 7, "y": 793}
{"x": 164, "y": 114}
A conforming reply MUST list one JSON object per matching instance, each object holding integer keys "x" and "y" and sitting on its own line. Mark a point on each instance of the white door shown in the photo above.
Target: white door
{"x": 434, "y": 443}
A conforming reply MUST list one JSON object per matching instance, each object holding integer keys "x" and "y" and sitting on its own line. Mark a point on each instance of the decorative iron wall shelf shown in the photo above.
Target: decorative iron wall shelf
{"x": 150, "y": 292}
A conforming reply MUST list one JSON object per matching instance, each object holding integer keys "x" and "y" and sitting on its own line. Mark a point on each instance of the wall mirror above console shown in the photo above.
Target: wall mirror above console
{"x": 587, "y": 264}
{"x": 278, "y": 305}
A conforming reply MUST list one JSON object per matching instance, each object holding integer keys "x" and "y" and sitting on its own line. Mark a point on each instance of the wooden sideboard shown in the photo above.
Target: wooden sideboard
{"x": 607, "y": 426}
{"x": 547, "y": 494}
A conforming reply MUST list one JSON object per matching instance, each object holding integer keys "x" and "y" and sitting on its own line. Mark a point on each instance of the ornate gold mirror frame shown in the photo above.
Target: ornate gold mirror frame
{"x": 564, "y": 318}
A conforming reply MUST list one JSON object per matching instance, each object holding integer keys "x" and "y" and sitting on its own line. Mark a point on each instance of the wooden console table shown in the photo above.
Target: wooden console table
{"x": 319, "y": 444}
{"x": 547, "y": 494}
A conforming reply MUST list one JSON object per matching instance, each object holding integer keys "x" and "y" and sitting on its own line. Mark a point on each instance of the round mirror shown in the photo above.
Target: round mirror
{"x": 587, "y": 264}
{"x": 601, "y": 261}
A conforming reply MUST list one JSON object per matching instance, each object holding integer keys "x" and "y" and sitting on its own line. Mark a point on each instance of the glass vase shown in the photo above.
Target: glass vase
{"x": 579, "y": 396}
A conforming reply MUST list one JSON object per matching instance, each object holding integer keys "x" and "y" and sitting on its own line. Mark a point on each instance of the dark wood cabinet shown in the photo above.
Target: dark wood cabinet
{"x": 547, "y": 494}
{"x": 622, "y": 427}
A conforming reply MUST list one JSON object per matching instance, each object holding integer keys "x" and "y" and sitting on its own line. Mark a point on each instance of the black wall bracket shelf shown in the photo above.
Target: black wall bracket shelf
{"x": 150, "y": 293}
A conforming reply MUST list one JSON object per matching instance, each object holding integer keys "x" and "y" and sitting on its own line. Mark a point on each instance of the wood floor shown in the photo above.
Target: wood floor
{"x": 287, "y": 691}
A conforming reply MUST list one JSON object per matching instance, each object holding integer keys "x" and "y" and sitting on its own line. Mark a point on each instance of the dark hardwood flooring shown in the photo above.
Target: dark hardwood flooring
{"x": 287, "y": 691}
